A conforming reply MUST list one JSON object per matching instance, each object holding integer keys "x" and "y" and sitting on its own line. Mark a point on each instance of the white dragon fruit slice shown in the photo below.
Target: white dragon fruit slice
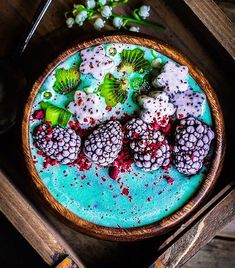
{"x": 95, "y": 62}
{"x": 157, "y": 107}
{"x": 188, "y": 103}
{"x": 86, "y": 107}
{"x": 173, "y": 78}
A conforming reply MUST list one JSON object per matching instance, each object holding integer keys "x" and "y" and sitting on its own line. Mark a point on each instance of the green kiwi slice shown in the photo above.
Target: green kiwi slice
{"x": 55, "y": 115}
{"x": 113, "y": 90}
{"x": 133, "y": 61}
{"x": 66, "y": 80}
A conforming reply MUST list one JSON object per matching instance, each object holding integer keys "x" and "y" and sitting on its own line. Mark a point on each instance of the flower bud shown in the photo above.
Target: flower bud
{"x": 99, "y": 24}
{"x": 144, "y": 11}
{"x": 117, "y": 22}
{"x": 81, "y": 17}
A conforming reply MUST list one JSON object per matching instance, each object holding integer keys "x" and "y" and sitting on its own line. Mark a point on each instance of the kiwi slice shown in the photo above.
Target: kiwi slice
{"x": 55, "y": 115}
{"x": 133, "y": 61}
{"x": 113, "y": 90}
{"x": 66, "y": 80}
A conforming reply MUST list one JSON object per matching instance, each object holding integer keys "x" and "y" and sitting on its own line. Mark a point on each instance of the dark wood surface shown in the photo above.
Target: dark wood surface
{"x": 199, "y": 234}
{"x": 185, "y": 32}
{"x": 217, "y": 23}
{"x": 34, "y": 228}
{"x": 218, "y": 253}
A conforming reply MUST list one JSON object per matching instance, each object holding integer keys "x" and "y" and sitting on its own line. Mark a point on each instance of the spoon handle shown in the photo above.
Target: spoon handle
{"x": 43, "y": 6}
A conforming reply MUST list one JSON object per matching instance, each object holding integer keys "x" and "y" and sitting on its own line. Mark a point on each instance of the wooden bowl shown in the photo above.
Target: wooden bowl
{"x": 165, "y": 224}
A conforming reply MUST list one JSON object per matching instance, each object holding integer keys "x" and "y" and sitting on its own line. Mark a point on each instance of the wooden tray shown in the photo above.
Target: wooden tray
{"x": 185, "y": 32}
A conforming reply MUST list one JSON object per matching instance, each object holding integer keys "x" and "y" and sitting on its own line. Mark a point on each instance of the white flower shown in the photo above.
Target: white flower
{"x": 90, "y": 3}
{"x": 98, "y": 24}
{"x": 81, "y": 17}
{"x": 106, "y": 12}
{"x": 102, "y": 2}
{"x": 117, "y": 22}
{"x": 144, "y": 11}
{"x": 134, "y": 29}
{"x": 70, "y": 22}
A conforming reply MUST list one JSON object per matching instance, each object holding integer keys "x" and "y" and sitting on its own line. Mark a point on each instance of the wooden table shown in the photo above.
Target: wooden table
{"x": 206, "y": 36}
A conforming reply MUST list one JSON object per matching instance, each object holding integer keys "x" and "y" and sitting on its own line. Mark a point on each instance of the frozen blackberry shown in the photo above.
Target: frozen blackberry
{"x": 103, "y": 145}
{"x": 192, "y": 144}
{"x": 151, "y": 151}
{"x": 135, "y": 128}
{"x": 61, "y": 144}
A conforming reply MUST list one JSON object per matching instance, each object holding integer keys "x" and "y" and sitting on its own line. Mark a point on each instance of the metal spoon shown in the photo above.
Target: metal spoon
{"x": 11, "y": 74}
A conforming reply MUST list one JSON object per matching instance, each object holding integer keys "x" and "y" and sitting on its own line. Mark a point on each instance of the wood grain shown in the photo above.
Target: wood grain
{"x": 31, "y": 224}
{"x": 216, "y": 21}
{"x": 167, "y": 223}
{"x": 228, "y": 231}
{"x": 200, "y": 234}
{"x": 217, "y": 253}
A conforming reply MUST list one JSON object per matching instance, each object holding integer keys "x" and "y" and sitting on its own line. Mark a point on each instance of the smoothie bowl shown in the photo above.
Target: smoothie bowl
{"x": 123, "y": 136}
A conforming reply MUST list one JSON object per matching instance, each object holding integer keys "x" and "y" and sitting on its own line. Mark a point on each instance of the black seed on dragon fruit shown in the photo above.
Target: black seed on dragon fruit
{"x": 58, "y": 143}
{"x": 188, "y": 103}
{"x": 192, "y": 144}
{"x": 103, "y": 144}
{"x": 151, "y": 151}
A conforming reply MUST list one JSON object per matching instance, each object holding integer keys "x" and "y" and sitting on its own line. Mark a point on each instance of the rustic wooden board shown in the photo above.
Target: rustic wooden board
{"x": 216, "y": 21}
{"x": 217, "y": 253}
{"x": 185, "y": 32}
{"x": 42, "y": 237}
{"x": 228, "y": 8}
{"x": 199, "y": 234}
{"x": 228, "y": 231}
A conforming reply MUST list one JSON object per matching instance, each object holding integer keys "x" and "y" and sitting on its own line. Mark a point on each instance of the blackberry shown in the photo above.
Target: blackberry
{"x": 151, "y": 151}
{"x": 103, "y": 144}
{"x": 135, "y": 127}
{"x": 61, "y": 144}
{"x": 192, "y": 144}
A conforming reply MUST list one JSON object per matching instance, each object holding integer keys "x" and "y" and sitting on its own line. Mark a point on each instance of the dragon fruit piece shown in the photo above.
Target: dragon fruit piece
{"x": 156, "y": 107}
{"x": 86, "y": 107}
{"x": 173, "y": 78}
{"x": 188, "y": 103}
{"x": 95, "y": 62}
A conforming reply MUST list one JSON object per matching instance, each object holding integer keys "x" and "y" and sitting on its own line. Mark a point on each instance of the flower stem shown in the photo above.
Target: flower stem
{"x": 141, "y": 22}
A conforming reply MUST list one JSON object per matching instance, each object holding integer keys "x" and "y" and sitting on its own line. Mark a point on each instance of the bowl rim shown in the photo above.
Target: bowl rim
{"x": 159, "y": 227}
